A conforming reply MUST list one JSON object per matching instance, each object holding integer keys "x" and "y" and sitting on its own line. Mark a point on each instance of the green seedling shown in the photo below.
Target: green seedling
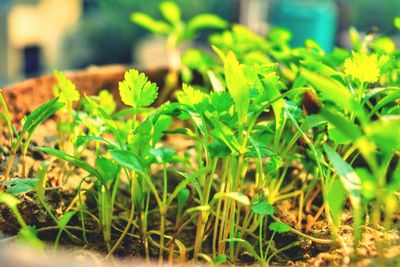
{"x": 177, "y": 32}
{"x": 21, "y": 140}
{"x": 272, "y": 123}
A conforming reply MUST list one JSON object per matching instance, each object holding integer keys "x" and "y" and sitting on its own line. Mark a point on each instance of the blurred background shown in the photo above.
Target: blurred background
{"x": 38, "y": 36}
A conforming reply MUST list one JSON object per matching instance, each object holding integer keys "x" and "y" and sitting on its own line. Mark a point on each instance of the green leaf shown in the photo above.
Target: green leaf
{"x": 345, "y": 127}
{"x": 162, "y": 154}
{"x": 74, "y": 161}
{"x": 225, "y": 135}
{"x": 279, "y": 227}
{"x": 385, "y": 132}
{"x": 182, "y": 184}
{"x": 205, "y": 21}
{"x": 263, "y": 208}
{"x": 368, "y": 183}
{"x": 65, "y": 89}
{"x": 171, "y": 12}
{"x": 220, "y": 259}
{"x": 39, "y": 115}
{"x": 192, "y": 97}
{"x": 218, "y": 149}
{"x": 82, "y": 139}
{"x": 349, "y": 178}
{"x": 65, "y": 218}
{"x": 20, "y": 185}
{"x": 222, "y": 102}
{"x": 5, "y": 114}
{"x": 128, "y": 160}
{"x": 183, "y": 197}
{"x": 334, "y": 91}
{"x": 41, "y": 176}
{"x": 397, "y": 22}
{"x": 198, "y": 60}
{"x": 335, "y": 197}
{"x": 236, "y": 196}
{"x": 147, "y": 22}
{"x": 107, "y": 169}
{"x": 237, "y": 87}
{"x": 136, "y": 91}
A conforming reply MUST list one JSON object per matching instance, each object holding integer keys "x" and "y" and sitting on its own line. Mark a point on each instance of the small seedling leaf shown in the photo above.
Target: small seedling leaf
{"x": 349, "y": 178}
{"x": 237, "y": 86}
{"x": 65, "y": 218}
{"x": 263, "y": 208}
{"x": 220, "y": 259}
{"x": 236, "y": 196}
{"x": 107, "y": 169}
{"x": 162, "y": 154}
{"x": 218, "y": 149}
{"x": 65, "y": 89}
{"x": 171, "y": 12}
{"x": 20, "y": 185}
{"x": 73, "y": 160}
{"x": 147, "y": 22}
{"x": 183, "y": 197}
{"x": 136, "y": 90}
{"x": 128, "y": 160}
{"x": 279, "y": 227}
{"x": 205, "y": 21}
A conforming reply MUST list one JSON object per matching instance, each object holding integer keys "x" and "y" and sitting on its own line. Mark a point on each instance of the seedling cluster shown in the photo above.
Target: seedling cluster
{"x": 270, "y": 124}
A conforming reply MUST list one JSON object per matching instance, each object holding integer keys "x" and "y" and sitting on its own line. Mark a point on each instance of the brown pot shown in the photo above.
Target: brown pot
{"x": 23, "y": 97}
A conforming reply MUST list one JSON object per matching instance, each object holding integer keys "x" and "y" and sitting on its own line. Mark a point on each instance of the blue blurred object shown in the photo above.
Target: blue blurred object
{"x": 307, "y": 19}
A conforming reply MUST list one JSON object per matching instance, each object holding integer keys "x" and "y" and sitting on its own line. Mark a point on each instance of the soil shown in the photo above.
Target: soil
{"x": 62, "y": 198}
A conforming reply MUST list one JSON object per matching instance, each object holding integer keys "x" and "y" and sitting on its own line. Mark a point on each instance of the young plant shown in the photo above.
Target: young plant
{"x": 22, "y": 139}
{"x": 177, "y": 32}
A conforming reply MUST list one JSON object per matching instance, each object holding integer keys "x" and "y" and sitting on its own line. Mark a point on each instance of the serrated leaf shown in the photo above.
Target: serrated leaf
{"x": 263, "y": 208}
{"x": 20, "y": 185}
{"x": 192, "y": 97}
{"x": 279, "y": 227}
{"x": 162, "y": 154}
{"x": 218, "y": 149}
{"x": 65, "y": 89}
{"x": 237, "y": 87}
{"x": 222, "y": 101}
{"x": 136, "y": 91}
